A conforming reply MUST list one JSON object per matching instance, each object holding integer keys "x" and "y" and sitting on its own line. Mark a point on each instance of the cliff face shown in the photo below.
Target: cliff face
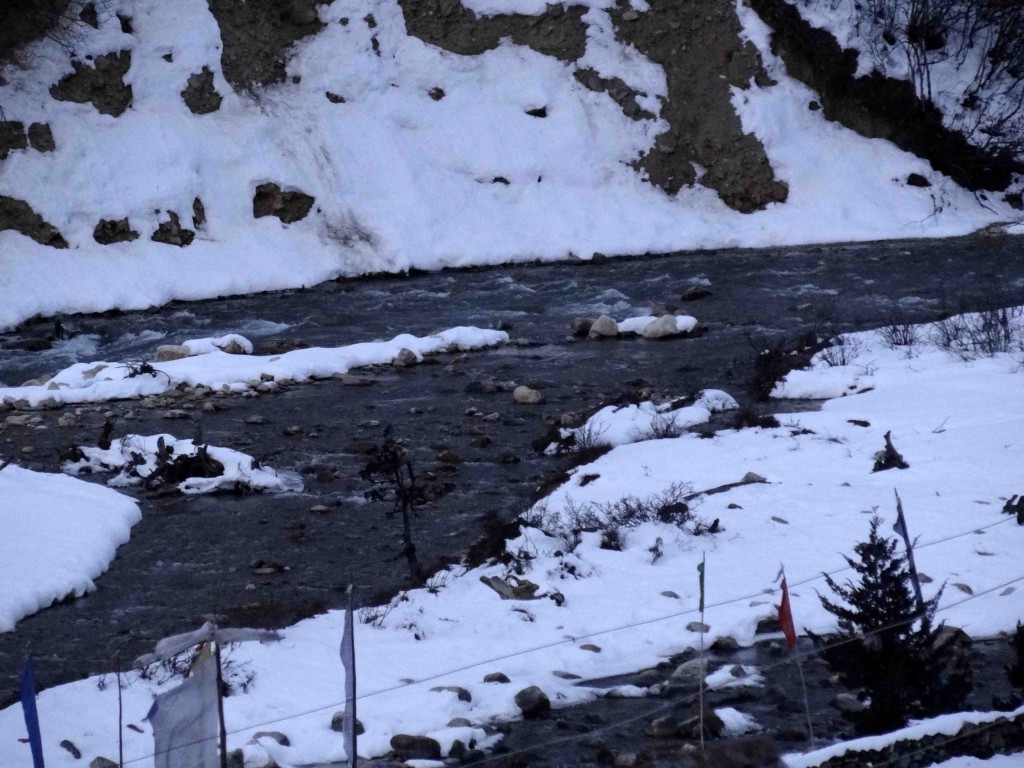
{"x": 202, "y": 147}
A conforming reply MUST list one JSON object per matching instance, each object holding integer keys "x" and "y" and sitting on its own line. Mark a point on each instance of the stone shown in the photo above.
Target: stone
{"x": 12, "y": 136}
{"x": 496, "y": 677}
{"x": 198, "y": 213}
{"x": 690, "y": 727}
{"x": 404, "y": 358}
{"x": 581, "y": 326}
{"x": 175, "y": 413}
{"x": 40, "y": 137}
{"x": 171, "y": 232}
{"x": 590, "y": 647}
{"x": 102, "y": 762}
{"x": 101, "y": 85}
{"x": 199, "y": 95}
{"x": 436, "y": 93}
{"x": 89, "y": 16}
{"x": 603, "y": 328}
{"x": 695, "y": 293}
{"x": 533, "y": 702}
{"x": 338, "y": 723}
{"x": 415, "y": 747}
{"x": 109, "y": 231}
{"x": 277, "y": 736}
{"x": 167, "y": 352}
{"x": 334, "y": 98}
{"x": 662, "y": 728}
{"x": 461, "y": 693}
{"x": 917, "y": 180}
{"x": 449, "y": 457}
{"x": 647, "y": 678}
{"x": 662, "y": 328}
{"x": 287, "y": 205}
{"x": 527, "y": 396}
{"x": 768, "y": 626}
{"x": 848, "y": 703}
{"x": 725, "y": 644}
{"x": 70, "y": 747}
{"x": 696, "y": 626}
{"x": 18, "y": 215}
{"x": 459, "y": 722}
{"x": 320, "y": 509}
{"x": 690, "y": 672}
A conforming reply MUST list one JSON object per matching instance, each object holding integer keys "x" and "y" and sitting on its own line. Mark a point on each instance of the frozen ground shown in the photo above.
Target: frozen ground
{"x": 603, "y": 612}
{"x": 59, "y": 534}
{"x": 402, "y": 180}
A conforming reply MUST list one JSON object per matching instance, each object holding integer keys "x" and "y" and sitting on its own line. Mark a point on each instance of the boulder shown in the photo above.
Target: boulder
{"x": 695, "y": 293}
{"x": 725, "y": 644}
{"x": 404, "y": 358}
{"x": 461, "y": 693}
{"x": 662, "y": 728}
{"x": 527, "y": 396}
{"x": 199, "y": 95}
{"x": 101, "y": 85}
{"x": 167, "y": 352}
{"x": 40, "y": 137}
{"x": 696, "y": 626}
{"x": 171, "y": 232}
{"x": 689, "y": 728}
{"x": 277, "y": 736}
{"x": 415, "y": 747}
{"x": 604, "y": 328}
{"x": 18, "y": 215}
{"x": 287, "y": 205}
{"x": 459, "y": 722}
{"x": 661, "y": 328}
{"x": 102, "y": 762}
{"x": 109, "y": 231}
{"x": 533, "y": 702}
{"x": 848, "y": 703}
{"x": 496, "y": 677}
{"x": 338, "y": 723}
{"x": 12, "y": 136}
{"x": 690, "y": 672}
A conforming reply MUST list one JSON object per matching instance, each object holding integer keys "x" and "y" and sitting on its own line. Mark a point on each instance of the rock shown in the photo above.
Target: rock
{"x": 533, "y": 702}
{"x": 696, "y": 626}
{"x": 338, "y": 723}
{"x": 690, "y": 672}
{"x": 102, "y": 762}
{"x": 512, "y": 588}
{"x": 581, "y": 326}
{"x": 167, "y": 352}
{"x": 737, "y": 671}
{"x": 289, "y": 206}
{"x": 527, "y": 396}
{"x": 603, "y": 327}
{"x": 175, "y": 413}
{"x": 917, "y": 180}
{"x": 18, "y": 215}
{"x": 590, "y": 647}
{"x": 436, "y": 93}
{"x": 461, "y": 693}
{"x": 662, "y": 328}
{"x": 237, "y": 346}
{"x": 690, "y": 727}
{"x": 109, "y": 231}
{"x": 334, "y": 98}
{"x": 404, "y": 358}
{"x": 848, "y": 703}
{"x": 496, "y": 677}
{"x": 725, "y": 644}
{"x": 662, "y": 728}
{"x": 449, "y": 457}
{"x": 198, "y": 213}
{"x": 88, "y": 15}
{"x": 415, "y": 747}
{"x": 171, "y": 232}
{"x": 101, "y": 85}
{"x": 277, "y": 736}
{"x": 320, "y": 509}
{"x": 459, "y": 722}
{"x": 70, "y": 747}
{"x": 695, "y": 293}
{"x": 33, "y": 344}
{"x": 647, "y": 678}
{"x": 199, "y": 95}
{"x": 12, "y": 136}
{"x": 768, "y": 626}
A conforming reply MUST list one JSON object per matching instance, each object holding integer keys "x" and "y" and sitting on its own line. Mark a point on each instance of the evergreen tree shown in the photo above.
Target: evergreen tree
{"x": 886, "y": 645}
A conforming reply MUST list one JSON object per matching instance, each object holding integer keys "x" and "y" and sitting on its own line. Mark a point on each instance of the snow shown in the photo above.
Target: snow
{"x": 402, "y": 181}
{"x": 684, "y": 324}
{"x": 998, "y": 761}
{"x": 218, "y": 344}
{"x": 619, "y": 425}
{"x": 943, "y": 724}
{"x": 59, "y": 534}
{"x": 957, "y": 422}
{"x": 101, "y": 381}
{"x": 123, "y": 456}
{"x": 736, "y": 722}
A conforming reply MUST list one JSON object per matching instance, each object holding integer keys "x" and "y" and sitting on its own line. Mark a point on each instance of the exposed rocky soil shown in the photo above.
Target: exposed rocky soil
{"x": 101, "y": 84}
{"x": 19, "y": 216}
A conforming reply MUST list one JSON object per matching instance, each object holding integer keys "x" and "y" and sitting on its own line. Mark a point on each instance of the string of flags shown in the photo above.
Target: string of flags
{"x": 188, "y": 720}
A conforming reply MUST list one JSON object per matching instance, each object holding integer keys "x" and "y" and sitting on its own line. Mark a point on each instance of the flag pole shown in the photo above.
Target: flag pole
{"x": 789, "y": 630}
{"x": 220, "y": 703}
{"x": 700, "y": 666}
{"x": 120, "y": 715}
{"x": 901, "y": 529}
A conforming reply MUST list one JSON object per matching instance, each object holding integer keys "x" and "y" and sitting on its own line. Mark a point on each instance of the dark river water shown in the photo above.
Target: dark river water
{"x": 191, "y": 557}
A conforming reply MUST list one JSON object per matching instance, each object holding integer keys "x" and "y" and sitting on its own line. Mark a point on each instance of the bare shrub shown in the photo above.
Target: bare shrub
{"x": 981, "y": 334}
{"x": 899, "y": 332}
{"x": 842, "y": 350}
{"x": 776, "y": 358}
{"x": 663, "y": 426}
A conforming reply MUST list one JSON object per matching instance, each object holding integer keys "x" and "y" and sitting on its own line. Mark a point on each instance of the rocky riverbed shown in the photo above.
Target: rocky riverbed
{"x": 268, "y": 560}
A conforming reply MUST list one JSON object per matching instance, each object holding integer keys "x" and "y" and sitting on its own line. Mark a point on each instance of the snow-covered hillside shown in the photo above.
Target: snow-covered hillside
{"x": 415, "y": 156}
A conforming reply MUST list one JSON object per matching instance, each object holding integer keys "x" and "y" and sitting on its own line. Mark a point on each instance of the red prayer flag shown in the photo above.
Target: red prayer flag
{"x": 786, "y": 617}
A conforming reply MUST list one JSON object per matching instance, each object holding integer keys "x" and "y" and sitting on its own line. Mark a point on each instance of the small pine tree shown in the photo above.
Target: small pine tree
{"x": 892, "y": 650}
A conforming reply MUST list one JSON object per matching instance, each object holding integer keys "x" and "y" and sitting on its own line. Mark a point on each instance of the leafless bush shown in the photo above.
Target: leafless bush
{"x": 663, "y": 426}
{"x": 238, "y": 676}
{"x": 981, "y": 334}
{"x": 842, "y": 350}
{"x": 675, "y": 506}
{"x": 899, "y": 332}
{"x": 588, "y": 437}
